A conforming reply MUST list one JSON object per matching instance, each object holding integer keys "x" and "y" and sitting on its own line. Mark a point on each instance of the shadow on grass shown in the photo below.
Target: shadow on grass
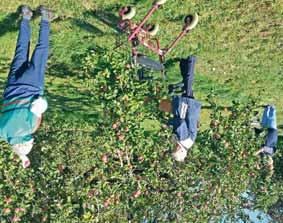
{"x": 10, "y": 23}
{"x": 88, "y": 27}
{"x": 172, "y": 62}
{"x": 106, "y": 16}
{"x": 4, "y": 65}
{"x": 60, "y": 70}
{"x": 74, "y": 68}
{"x": 178, "y": 19}
{"x": 80, "y": 107}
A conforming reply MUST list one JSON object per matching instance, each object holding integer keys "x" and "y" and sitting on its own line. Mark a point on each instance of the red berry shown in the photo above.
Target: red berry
{"x": 121, "y": 137}
{"x": 17, "y": 210}
{"x": 137, "y": 193}
{"x": 6, "y": 211}
{"x": 104, "y": 158}
{"x": 107, "y": 203}
{"x": 8, "y": 200}
{"x": 61, "y": 168}
{"x": 16, "y": 219}
{"x": 92, "y": 193}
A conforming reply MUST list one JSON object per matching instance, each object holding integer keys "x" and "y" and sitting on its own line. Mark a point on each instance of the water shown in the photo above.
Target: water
{"x": 256, "y": 216}
{"x": 253, "y": 216}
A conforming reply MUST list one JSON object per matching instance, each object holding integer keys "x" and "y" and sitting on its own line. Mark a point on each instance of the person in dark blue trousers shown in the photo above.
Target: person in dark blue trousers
{"x": 186, "y": 110}
{"x": 26, "y": 78}
{"x": 24, "y": 104}
{"x": 269, "y": 123}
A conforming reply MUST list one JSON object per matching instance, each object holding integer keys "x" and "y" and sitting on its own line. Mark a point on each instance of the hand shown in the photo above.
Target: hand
{"x": 259, "y": 152}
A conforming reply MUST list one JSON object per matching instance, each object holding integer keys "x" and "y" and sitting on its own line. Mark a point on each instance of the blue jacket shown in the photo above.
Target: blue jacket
{"x": 188, "y": 127}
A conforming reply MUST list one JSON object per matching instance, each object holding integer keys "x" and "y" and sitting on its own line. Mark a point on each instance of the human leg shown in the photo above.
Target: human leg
{"x": 20, "y": 60}
{"x": 187, "y": 67}
{"x": 40, "y": 57}
{"x": 31, "y": 81}
{"x": 271, "y": 140}
{"x": 269, "y": 117}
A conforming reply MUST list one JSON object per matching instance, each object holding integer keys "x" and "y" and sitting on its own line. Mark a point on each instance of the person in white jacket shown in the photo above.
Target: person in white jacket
{"x": 24, "y": 104}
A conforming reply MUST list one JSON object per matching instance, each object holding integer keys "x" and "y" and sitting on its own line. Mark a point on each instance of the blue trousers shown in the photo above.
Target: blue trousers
{"x": 269, "y": 117}
{"x": 269, "y": 122}
{"x": 271, "y": 139}
{"x": 26, "y": 78}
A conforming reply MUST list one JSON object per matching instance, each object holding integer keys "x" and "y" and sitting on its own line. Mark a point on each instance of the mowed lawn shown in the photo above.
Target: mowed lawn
{"x": 238, "y": 44}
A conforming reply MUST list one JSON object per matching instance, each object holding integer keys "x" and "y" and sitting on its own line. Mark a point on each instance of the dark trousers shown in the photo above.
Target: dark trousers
{"x": 26, "y": 78}
{"x": 271, "y": 139}
{"x": 187, "y": 67}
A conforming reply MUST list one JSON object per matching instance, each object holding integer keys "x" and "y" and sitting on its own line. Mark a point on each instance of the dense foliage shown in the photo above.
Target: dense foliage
{"x": 116, "y": 165}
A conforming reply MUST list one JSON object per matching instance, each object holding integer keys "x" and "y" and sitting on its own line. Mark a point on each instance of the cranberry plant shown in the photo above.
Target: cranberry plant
{"x": 116, "y": 166}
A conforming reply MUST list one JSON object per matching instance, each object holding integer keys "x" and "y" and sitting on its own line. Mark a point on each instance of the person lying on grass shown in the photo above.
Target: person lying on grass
{"x": 186, "y": 110}
{"x": 268, "y": 122}
{"x": 23, "y": 104}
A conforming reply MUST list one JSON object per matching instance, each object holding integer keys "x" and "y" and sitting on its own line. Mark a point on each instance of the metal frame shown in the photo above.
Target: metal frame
{"x": 138, "y": 35}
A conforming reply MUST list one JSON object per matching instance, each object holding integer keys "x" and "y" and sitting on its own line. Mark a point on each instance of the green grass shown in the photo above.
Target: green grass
{"x": 238, "y": 45}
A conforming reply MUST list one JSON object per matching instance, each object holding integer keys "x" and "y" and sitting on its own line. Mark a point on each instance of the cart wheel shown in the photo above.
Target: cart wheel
{"x": 127, "y": 12}
{"x": 191, "y": 21}
{"x": 153, "y": 29}
{"x": 160, "y": 2}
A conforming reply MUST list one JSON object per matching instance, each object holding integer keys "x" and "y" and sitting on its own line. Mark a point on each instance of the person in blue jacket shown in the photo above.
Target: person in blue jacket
{"x": 269, "y": 123}
{"x": 23, "y": 103}
{"x": 186, "y": 110}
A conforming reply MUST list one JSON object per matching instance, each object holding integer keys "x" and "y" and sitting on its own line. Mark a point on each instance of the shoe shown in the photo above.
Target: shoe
{"x": 26, "y": 12}
{"x": 46, "y": 13}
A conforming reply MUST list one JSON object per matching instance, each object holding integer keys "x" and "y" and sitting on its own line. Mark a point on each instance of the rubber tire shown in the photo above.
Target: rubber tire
{"x": 153, "y": 30}
{"x": 160, "y": 2}
{"x": 129, "y": 15}
{"x": 192, "y": 23}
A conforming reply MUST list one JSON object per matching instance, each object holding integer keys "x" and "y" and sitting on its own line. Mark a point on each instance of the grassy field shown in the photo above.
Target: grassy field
{"x": 239, "y": 47}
